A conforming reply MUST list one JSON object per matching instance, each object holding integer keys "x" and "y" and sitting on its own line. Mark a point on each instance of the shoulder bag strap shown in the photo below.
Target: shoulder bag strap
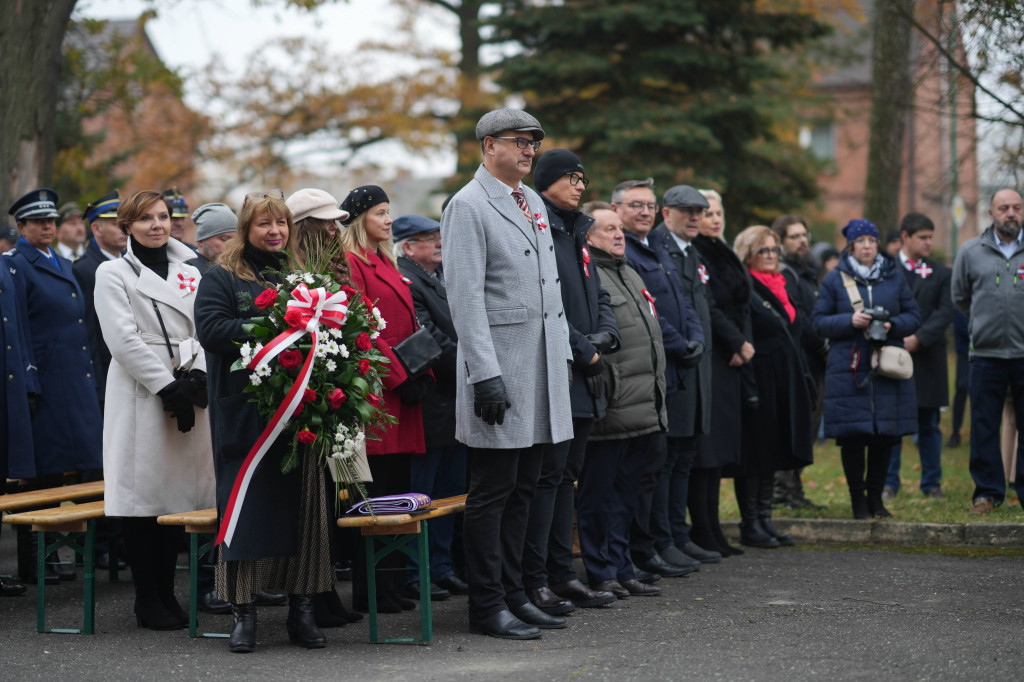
{"x": 851, "y": 290}
{"x": 159, "y": 317}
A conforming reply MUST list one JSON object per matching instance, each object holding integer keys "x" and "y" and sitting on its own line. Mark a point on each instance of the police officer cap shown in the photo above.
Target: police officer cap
{"x": 684, "y": 196}
{"x": 104, "y": 207}
{"x": 9, "y": 233}
{"x": 67, "y": 210}
{"x": 176, "y": 202}
{"x": 39, "y": 203}
{"x": 411, "y": 225}
{"x": 494, "y": 122}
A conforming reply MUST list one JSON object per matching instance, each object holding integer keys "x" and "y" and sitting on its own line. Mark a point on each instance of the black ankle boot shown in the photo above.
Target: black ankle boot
{"x": 875, "y": 506}
{"x": 859, "y": 504}
{"x": 301, "y": 624}
{"x": 322, "y": 613}
{"x": 243, "y": 634}
{"x": 765, "y": 494}
{"x": 751, "y": 533}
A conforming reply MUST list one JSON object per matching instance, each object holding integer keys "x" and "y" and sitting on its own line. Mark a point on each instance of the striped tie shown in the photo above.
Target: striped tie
{"x": 520, "y": 198}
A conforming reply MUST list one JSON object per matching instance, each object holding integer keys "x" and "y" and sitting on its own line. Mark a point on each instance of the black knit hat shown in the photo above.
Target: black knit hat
{"x": 553, "y": 164}
{"x": 362, "y": 199}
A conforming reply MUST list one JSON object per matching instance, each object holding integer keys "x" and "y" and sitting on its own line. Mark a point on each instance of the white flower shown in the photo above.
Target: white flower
{"x": 308, "y": 278}
{"x": 246, "y": 350}
{"x": 381, "y": 324}
{"x": 257, "y": 348}
{"x": 332, "y": 347}
{"x": 374, "y": 335}
{"x": 343, "y": 350}
{"x": 330, "y": 365}
{"x": 271, "y": 318}
{"x": 255, "y": 379}
{"x": 292, "y": 278}
{"x": 336, "y": 333}
{"x": 263, "y": 369}
{"x": 321, "y": 350}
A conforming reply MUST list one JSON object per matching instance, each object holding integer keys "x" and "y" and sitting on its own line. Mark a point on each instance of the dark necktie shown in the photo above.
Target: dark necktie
{"x": 520, "y": 198}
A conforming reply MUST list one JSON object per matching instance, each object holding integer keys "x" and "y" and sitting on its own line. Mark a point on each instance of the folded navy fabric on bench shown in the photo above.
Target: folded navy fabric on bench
{"x": 392, "y": 504}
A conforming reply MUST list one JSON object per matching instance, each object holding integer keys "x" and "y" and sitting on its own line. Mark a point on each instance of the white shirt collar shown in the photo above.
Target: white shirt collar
{"x": 683, "y": 244}
{"x": 1006, "y": 245}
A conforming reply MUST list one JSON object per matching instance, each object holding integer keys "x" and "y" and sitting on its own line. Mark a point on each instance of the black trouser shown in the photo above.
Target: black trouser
{"x": 501, "y": 484}
{"x": 641, "y": 542}
{"x": 547, "y": 555}
{"x": 668, "y": 514}
{"x": 963, "y": 375}
{"x": 879, "y": 449}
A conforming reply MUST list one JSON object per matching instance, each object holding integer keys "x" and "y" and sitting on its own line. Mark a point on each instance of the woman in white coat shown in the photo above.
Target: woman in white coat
{"x": 157, "y": 456}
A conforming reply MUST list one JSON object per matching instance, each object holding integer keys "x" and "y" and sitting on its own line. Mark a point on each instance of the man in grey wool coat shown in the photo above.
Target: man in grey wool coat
{"x": 512, "y": 399}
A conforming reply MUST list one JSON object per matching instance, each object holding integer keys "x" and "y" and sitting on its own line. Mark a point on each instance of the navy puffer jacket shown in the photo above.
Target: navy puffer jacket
{"x": 855, "y": 407}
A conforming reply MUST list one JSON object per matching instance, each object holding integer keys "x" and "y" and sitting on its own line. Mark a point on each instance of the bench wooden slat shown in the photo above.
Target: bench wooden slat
{"x": 50, "y": 496}
{"x": 46, "y": 518}
{"x": 199, "y": 517}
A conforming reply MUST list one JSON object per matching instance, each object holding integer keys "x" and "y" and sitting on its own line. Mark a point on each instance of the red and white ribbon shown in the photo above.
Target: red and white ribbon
{"x": 650, "y": 302}
{"x": 316, "y": 307}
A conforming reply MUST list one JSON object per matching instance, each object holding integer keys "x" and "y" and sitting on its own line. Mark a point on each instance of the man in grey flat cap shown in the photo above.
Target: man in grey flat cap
{"x": 512, "y": 400}
{"x": 215, "y": 225}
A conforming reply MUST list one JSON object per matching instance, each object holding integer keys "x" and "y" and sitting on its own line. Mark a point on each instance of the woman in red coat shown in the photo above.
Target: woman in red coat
{"x": 367, "y": 243}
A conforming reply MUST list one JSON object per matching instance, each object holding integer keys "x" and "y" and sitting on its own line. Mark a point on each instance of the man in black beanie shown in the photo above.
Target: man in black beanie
{"x": 548, "y": 573}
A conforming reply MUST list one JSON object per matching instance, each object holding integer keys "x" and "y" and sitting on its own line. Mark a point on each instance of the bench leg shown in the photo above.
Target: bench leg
{"x": 41, "y": 581}
{"x": 371, "y": 585}
{"x": 400, "y": 543}
{"x": 193, "y": 583}
{"x": 87, "y": 551}
{"x": 426, "y": 609}
{"x": 90, "y": 578}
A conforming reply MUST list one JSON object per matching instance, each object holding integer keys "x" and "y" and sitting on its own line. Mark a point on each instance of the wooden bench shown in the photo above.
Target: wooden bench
{"x": 394, "y": 532}
{"x": 201, "y": 526}
{"x": 72, "y": 526}
{"x": 37, "y": 499}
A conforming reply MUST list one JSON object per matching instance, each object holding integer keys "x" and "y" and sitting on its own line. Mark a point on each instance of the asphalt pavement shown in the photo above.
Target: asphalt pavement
{"x": 805, "y": 613}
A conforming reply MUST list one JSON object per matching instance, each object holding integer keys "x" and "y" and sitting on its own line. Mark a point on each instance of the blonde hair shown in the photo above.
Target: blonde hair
{"x": 233, "y": 257}
{"x": 353, "y": 239}
{"x": 749, "y": 241}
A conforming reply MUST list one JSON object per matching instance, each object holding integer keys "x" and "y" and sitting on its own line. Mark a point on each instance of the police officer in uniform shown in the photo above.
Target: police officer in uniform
{"x": 179, "y": 214}
{"x": 67, "y": 426}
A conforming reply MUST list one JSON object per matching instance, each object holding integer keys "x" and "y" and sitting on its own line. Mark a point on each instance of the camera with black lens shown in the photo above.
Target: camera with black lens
{"x": 877, "y": 332}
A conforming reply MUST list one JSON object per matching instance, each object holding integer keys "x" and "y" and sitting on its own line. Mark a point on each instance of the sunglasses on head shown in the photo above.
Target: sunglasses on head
{"x": 270, "y": 193}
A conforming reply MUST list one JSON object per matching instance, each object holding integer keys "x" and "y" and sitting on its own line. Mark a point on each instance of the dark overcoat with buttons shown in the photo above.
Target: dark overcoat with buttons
{"x": 67, "y": 431}
{"x": 507, "y": 307}
{"x": 84, "y": 270}
{"x": 933, "y": 293}
{"x": 588, "y": 308}
{"x": 17, "y": 367}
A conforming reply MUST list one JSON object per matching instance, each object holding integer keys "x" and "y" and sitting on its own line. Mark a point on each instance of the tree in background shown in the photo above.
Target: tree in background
{"x": 689, "y": 92}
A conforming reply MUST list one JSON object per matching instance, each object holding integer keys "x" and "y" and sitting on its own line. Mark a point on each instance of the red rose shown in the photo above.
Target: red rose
{"x": 266, "y": 299}
{"x": 363, "y": 342}
{"x": 364, "y": 366}
{"x": 309, "y": 395}
{"x": 373, "y": 399}
{"x": 306, "y": 436}
{"x": 290, "y": 359}
{"x": 336, "y": 397}
{"x": 298, "y": 409}
{"x": 293, "y": 318}
{"x": 368, "y": 303}
{"x": 349, "y": 291}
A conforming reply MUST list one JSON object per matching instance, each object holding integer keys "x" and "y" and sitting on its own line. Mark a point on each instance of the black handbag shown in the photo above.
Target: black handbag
{"x": 418, "y": 352}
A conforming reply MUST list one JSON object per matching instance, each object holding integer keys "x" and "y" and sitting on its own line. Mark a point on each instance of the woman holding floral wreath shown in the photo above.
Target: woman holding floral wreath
{"x": 281, "y": 536}
{"x": 367, "y": 242}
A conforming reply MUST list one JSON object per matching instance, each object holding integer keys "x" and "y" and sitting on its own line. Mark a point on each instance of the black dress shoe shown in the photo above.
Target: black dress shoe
{"x": 531, "y": 615}
{"x": 581, "y": 595}
{"x": 700, "y": 554}
{"x": 645, "y": 576}
{"x": 613, "y": 586}
{"x": 265, "y": 598}
{"x": 677, "y": 557}
{"x": 209, "y": 602}
{"x": 243, "y": 634}
{"x": 301, "y": 625}
{"x": 504, "y": 626}
{"x": 338, "y": 609}
{"x": 437, "y": 593}
{"x": 454, "y": 584}
{"x": 9, "y": 588}
{"x": 549, "y": 602}
{"x": 639, "y": 589}
{"x": 658, "y": 565}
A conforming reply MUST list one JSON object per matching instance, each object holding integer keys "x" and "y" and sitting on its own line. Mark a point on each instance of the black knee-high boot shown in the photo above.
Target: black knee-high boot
{"x": 751, "y": 533}
{"x": 170, "y": 541}
{"x": 142, "y": 539}
{"x": 765, "y": 494}
{"x": 879, "y": 454}
{"x": 697, "y": 502}
{"x": 853, "y": 467}
{"x": 714, "y": 489}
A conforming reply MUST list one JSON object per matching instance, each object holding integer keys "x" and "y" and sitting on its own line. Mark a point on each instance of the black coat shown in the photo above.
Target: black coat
{"x": 805, "y": 282}
{"x": 588, "y": 309}
{"x": 84, "y": 270}
{"x": 431, "y": 302}
{"x": 778, "y": 434}
{"x": 690, "y": 408}
{"x": 730, "y": 325}
{"x": 201, "y": 262}
{"x": 934, "y": 299}
{"x": 269, "y": 522}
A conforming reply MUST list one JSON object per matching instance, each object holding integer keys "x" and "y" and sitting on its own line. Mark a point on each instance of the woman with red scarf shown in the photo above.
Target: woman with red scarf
{"x": 779, "y": 435}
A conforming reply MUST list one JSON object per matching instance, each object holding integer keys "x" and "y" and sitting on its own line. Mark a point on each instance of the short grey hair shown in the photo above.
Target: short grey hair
{"x": 397, "y": 248}
{"x": 591, "y": 206}
{"x": 623, "y": 187}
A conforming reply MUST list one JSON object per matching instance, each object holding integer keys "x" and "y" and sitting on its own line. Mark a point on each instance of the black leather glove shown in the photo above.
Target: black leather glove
{"x": 414, "y": 391}
{"x": 694, "y": 351}
{"x": 33, "y": 400}
{"x": 490, "y": 400}
{"x": 186, "y": 419}
{"x": 177, "y": 398}
{"x": 200, "y": 396}
{"x": 604, "y": 342}
{"x": 568, "y": 364}
{"x": 593, "y": 375}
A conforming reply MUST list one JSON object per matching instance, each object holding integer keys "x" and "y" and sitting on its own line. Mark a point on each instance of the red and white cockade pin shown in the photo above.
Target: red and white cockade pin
{"x": 186, "y": 282}
{"x": 702, "y": 273}
{"x": 406, "y": 280}
{"x": 586, "y": 260}
{"x": 923, "y": 271}
{"x": 540, "y": 223}
{"x": 1020, "y": 270}
{"x": 650, "y": 302}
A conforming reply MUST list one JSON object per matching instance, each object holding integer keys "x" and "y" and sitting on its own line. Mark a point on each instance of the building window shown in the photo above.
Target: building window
{"x": 820, "y": 139}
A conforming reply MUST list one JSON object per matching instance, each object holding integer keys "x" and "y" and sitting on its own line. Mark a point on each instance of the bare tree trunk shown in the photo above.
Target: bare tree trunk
{"x": 31, "y": 34}
{"x": 892, "y": 92}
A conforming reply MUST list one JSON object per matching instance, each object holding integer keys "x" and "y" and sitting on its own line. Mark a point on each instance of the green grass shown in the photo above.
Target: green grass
{"x": 825, "y": 484}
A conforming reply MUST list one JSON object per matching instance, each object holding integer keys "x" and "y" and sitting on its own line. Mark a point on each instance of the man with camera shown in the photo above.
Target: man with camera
{"x": 988, "y": 286}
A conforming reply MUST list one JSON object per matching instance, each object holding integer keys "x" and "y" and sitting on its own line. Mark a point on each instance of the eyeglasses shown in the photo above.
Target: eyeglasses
{"x": 769, "y": 249}
{"x": 270, "y": 193}
{"x": 802, "y": 235}
{"x": 433, "y": 240}
{"x": 576, "y": 178}
{"x": 640, "y": 205}
{"x": 522, "y": 142}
